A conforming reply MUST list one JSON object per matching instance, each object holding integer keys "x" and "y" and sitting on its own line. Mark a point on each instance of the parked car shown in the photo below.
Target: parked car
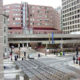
{"x": 30, "y": 56}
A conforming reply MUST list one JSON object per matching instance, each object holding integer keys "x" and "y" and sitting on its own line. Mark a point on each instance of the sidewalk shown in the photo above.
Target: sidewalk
{"x": 74, "y": 65}
{"x": 10, "y": 71}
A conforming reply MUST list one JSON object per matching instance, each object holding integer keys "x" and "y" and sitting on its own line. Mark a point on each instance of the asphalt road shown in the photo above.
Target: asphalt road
{"x": 61, "y": 63}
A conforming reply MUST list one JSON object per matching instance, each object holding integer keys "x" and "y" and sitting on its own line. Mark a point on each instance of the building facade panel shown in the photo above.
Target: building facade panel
{"x": 71, "y": 16}
{"x": 1, "y": 40}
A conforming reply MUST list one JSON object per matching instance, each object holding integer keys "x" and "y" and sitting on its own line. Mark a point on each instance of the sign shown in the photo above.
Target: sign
{"x": 52, "y": 38}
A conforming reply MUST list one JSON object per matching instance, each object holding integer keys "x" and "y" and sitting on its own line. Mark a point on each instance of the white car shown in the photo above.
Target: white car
{"x": 30, "y": 56}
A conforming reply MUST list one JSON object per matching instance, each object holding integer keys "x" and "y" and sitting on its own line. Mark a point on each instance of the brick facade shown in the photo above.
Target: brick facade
{"x": 39, "y": 19}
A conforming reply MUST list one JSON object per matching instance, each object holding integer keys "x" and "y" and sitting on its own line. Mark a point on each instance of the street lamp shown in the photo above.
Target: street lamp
{"x": 11, "y": 51}
{"x": 61, "y": 45}
{"x": 19, "y": 51}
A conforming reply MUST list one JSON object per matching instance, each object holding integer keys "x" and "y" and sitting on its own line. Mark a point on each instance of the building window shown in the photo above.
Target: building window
{"x": 17, "y": 18}
{"x": 7, "y": 6}
{"x": 14, "y": 23}
{"x": 17, "y": 23}
{"x": 30, "y": 15}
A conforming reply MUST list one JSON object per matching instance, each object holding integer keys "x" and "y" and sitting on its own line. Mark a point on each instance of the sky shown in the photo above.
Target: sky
{"x": 53, "y": 3}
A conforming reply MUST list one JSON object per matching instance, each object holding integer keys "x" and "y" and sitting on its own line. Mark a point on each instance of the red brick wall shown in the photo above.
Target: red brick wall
{"x": 38, "y": 17}
{"x": 43, "y": 17}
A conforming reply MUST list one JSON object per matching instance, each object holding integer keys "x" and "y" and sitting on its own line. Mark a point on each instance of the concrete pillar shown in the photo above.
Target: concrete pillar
{"x": 26, "y": 77}
{"x": 46, "y": 46}
{"x": 27, "y": 45}
{"x": 22, "y": 44}
{"x": 18, "y": 45}
{"x": 17, "y": 77}
{"x": 21, "y": 77}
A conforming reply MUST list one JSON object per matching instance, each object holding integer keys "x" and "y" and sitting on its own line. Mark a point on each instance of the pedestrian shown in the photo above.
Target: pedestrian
{"x": 54, "y": 52}
{"x": 22, "y": 59}
{"x": 74, "y": 59}
{"x": 24, "y": 54}
{"x": 63, "y": 54}
{"x": 77, "y": 52}
{"x": 15, "y": 58}
{"x": 11, "y": 56}
{"x": 79, "y": 60}
{"x": 39, "y": 55}
{"x": 11, "y": 59}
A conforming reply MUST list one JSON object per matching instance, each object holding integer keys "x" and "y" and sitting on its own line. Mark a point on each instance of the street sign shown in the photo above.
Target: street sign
{"x": 52, "y": 38}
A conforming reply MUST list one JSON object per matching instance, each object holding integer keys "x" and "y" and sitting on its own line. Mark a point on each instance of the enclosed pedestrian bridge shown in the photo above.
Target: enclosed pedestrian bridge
{"x": 44, "y": 38}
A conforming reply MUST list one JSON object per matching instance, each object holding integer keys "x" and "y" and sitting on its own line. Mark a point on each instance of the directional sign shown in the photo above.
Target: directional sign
{"x": 52, "y": 38}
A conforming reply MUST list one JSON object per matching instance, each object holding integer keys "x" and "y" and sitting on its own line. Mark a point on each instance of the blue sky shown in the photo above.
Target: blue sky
{"x": 53, "y": 3}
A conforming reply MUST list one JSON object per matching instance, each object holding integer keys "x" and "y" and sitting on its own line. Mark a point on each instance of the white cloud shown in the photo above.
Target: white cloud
{"x": 53, "y": 3}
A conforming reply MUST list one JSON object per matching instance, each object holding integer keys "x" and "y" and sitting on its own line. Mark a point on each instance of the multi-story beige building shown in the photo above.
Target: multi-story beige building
{"x": 71, "y": 16}
{"x": 5, "y": 35}
{"x": 1, "y": 40}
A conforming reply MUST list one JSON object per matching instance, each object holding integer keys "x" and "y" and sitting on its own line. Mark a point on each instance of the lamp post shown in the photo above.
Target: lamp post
{"x": 77, "y": 51}
{"x": 61, "y": 44}
{"x": 19, "y": 51}
{"x": 61, "y": 47}
{"x": 11, "y": 51}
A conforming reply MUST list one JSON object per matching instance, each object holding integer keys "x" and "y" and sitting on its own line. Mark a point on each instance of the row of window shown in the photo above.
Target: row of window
{"x": 71, "y": 18}
{"x": 16, "y": 14}
{"x": 71, "y": 9}
{"x": 14, "y": 19}
{"x": 39, "y": 7}
{"x": 71, "y": 22}
{"x": 66, "y": 1}
{"x": 16, "y": 23}
{"x": 14, "y": 32}
{"x": 40, "y": 16}
{"x": 16, "y": 5}
{"x": 39, "y": 24}
{"x": 17, "y": 19}
{"x": 71, "y": 13}
{"x": 8, "y": 10}
{"x": 32, "y": 19}
{"x": 67, "y": 5}
{"x": 71, "y": 27}
{"x": 67, "y": 31}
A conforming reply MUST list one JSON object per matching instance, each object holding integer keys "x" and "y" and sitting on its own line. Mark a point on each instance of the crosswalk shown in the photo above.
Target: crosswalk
{"x": 36, "y": 70}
